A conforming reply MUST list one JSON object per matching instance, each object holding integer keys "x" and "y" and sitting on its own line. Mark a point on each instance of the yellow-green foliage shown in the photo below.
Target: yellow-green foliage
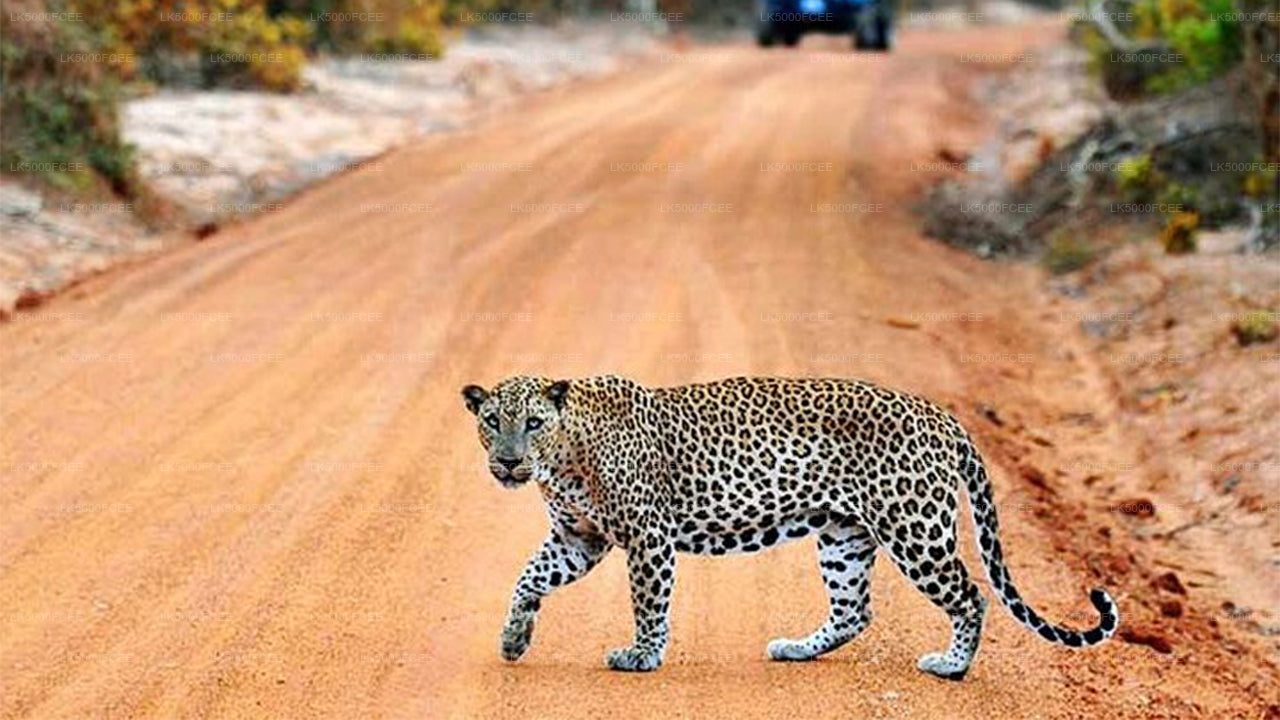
{"x": 1138, "y": 178}
{"x": 1255, "y": 327}
{"x": 1147, "y": 21}
{"x": 1261, "y": 183}
{"x": 413, "y": 29}
{"x": 1179, "y": 236}
{"x": 237, "y": 42}
{"x": 251, "y": 49}
{"x": 1172, "y": 11}
{"x": 1177, "y": 197}
{"x": 263, "y": 43}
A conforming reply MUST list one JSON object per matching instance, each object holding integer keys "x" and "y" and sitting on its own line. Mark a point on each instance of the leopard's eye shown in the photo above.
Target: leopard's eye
{"x": 491, "y": 420}
{"x": 532, "y": 424}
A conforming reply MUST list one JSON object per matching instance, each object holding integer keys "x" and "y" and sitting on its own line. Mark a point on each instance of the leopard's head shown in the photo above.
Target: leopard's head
{"x": 519, "y": 423}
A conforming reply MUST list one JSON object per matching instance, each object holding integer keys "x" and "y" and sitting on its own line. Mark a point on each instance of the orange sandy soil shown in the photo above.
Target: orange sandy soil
{"x": 1201, "y": 409}
{"x": 239, "y": 481}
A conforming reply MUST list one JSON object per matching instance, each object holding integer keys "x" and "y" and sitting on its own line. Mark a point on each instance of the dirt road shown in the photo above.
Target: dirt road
{"x": 240, "y": 483}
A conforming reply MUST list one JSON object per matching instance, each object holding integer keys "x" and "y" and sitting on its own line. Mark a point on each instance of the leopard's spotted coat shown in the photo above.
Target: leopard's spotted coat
{"x": 742, "y": 465}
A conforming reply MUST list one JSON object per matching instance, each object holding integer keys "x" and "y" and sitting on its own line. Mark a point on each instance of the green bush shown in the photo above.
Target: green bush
{"x": 1137, "y": 178}
{"x": 1209, "y": 42}
{"x": 1198, "y": 41}
{"x": 59, "y": 119}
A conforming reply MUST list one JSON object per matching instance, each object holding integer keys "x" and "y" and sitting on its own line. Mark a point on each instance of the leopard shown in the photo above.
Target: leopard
{"x": 742, "y": 465}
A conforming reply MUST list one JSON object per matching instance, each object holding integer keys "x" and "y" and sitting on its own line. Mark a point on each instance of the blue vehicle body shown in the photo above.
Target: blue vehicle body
{"x": 870, "y": 22}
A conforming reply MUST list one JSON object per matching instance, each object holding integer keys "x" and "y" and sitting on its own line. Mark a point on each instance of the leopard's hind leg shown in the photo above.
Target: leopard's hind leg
{"x": 926, "y": 555}
{"x": 953, "y": 591}
{"x": 846, "y": 552}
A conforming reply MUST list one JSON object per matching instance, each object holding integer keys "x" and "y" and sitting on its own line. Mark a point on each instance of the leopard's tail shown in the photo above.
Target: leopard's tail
{"x": 981, "y": 502}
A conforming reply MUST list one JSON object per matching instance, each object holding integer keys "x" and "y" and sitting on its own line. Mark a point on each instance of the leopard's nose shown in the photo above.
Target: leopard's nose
{"x": 509, "y": 463}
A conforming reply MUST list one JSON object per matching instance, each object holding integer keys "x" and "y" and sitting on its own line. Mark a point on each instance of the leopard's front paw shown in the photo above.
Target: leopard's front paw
{"x": 516, "y": 637}
{"x": 634, "y": 659}
{"x": 937, "y": 664}
{"x": 785, "y": 649}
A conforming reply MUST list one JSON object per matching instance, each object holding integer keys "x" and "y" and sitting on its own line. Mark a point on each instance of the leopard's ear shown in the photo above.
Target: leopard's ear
{"x": 474, "y": 396}
{"x": 556, "y": 393}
